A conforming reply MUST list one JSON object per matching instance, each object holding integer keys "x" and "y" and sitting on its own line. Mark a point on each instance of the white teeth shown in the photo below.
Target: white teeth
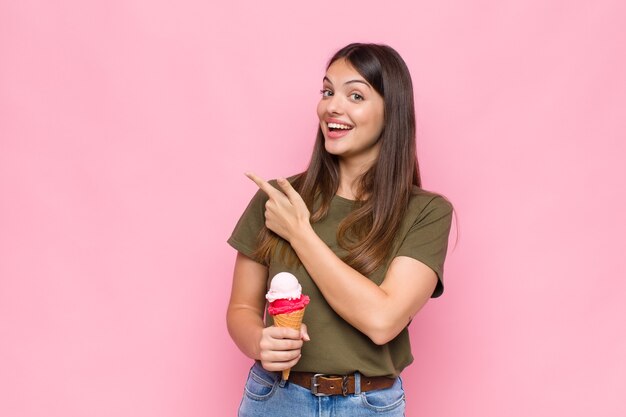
{"x": 338, "y": 126}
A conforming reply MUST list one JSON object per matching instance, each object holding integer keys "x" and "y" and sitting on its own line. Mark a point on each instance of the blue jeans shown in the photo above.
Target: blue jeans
{"x": 264, "y": 395}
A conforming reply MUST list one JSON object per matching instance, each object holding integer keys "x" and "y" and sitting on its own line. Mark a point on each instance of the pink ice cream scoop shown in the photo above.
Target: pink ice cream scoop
{"x": 285, "y": 294}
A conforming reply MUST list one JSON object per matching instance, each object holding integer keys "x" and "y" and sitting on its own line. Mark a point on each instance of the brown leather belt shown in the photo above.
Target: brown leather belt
{"x": 322, "y": 384}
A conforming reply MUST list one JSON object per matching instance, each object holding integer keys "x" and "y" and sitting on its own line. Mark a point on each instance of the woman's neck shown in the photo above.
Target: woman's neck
{"x": 349, "y": 176}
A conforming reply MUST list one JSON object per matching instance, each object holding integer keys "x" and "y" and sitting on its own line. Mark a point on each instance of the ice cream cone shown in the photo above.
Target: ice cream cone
{"x": 292, "y": 320}
{"x": 286, "y": 303}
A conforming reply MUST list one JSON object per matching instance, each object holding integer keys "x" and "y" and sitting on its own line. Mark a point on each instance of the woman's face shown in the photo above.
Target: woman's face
{"x": 351, "y": 114}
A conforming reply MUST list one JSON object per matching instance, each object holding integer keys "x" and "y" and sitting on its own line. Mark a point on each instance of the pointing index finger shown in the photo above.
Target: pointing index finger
{"x": 261, "y": 183}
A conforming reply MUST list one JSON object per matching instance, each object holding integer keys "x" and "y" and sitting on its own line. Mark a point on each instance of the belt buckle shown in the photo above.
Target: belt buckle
{"x": 315, "y": 384}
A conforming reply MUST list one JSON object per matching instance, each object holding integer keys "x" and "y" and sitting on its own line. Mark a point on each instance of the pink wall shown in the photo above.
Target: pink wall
{"x": 125, "y": 129}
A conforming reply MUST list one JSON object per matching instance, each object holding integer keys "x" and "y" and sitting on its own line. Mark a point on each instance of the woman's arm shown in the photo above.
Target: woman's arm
{"x": 277, "y": 348}
{"x": 380, "y": 312}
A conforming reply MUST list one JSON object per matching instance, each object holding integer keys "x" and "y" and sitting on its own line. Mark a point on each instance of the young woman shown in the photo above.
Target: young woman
{"x": 366, "y": 242}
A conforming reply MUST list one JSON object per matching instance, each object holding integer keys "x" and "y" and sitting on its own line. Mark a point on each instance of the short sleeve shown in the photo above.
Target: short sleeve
{"x": 427, "y": 239}
{"x": 246, "y": 233}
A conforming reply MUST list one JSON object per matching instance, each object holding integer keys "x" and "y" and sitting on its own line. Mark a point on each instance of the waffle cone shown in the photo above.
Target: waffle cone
{"x": 292, "y": 320}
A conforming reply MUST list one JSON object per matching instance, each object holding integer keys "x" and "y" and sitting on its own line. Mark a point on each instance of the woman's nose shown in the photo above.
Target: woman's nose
{"x": 333, "y": 105}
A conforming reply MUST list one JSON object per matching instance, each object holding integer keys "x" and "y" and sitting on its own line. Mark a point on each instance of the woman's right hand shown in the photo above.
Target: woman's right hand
{"x": 280, "y": 347}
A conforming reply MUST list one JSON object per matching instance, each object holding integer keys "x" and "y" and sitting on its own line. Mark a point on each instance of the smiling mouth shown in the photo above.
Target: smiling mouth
{"x": 334, "y": 127}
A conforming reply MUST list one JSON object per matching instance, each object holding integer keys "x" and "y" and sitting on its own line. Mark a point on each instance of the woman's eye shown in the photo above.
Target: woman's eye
{"x": 326, "y": 92}
{"x": 356, "y": 96}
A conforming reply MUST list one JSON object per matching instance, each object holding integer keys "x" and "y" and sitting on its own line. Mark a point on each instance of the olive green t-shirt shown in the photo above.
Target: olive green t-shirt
{"x": 335, "y": 346}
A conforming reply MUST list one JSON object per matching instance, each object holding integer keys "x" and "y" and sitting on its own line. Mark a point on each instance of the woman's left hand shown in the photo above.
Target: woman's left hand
{"x": 285, "y": 211}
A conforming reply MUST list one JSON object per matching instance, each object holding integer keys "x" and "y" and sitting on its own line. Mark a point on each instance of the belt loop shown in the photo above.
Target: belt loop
{"x": 357, "y": 383}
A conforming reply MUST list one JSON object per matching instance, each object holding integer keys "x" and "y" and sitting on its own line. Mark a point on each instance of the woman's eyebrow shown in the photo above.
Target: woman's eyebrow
{"x": 348, "y": 82}
{"x": 357, "y": 81}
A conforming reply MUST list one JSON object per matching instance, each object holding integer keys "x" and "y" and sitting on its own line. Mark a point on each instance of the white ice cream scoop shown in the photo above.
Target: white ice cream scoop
{"x": 284, "y": 285}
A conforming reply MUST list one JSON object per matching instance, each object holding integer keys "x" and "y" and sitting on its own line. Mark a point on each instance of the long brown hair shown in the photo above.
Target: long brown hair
{"x": 384, "y": 190}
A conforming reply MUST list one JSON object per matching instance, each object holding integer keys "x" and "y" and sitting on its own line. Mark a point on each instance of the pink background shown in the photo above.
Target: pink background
{"x": 125, "y": 129}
